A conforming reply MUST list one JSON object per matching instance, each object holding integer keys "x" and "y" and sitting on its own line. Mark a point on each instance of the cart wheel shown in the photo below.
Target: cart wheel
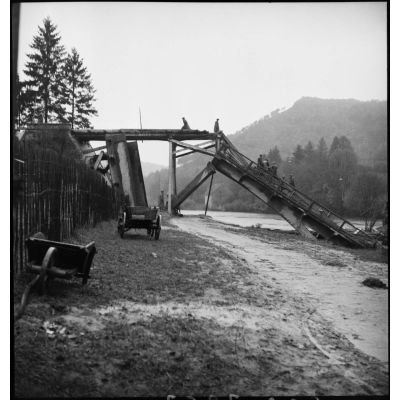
{"x": 157, "y": 230}
{"x": 48, "y": 262}
{"x": 88, "y": 265}
{"x": 121, "y": 228}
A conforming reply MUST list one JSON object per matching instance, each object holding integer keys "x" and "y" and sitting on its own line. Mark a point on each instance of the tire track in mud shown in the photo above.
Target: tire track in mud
{"x": 359, "y": 312}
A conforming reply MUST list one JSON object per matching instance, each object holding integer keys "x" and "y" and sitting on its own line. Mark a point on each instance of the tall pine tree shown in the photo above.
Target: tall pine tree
{"x": 25, "y": 100}
{"x": 44, "y": 72}
{"x": 309, "y": 150}
{"x": 298, "y": 154}
{"x": 77, "y": 92}
{"x": 274, "y": 156}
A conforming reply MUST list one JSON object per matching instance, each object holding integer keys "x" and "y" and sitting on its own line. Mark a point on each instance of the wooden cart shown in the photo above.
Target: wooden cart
{"x": 59, "y": 260}
{"x": 140, "y": 217}
{"x": 49, "y": 259}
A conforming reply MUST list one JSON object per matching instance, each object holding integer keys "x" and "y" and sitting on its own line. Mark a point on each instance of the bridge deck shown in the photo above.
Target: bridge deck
{"x": 143, "y": 134}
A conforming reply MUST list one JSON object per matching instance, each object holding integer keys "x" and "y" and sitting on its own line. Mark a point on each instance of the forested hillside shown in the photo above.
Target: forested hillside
{"x": 364, "y": 123}
{"x": 334, "y": 149}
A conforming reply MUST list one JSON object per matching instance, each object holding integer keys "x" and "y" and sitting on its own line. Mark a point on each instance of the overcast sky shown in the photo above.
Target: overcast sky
{"x": 203, "y": 61}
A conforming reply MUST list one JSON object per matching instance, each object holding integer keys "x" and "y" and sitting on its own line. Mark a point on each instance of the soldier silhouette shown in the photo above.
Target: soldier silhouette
{"x": 216, "y": 126}
{"x": 185, "y": 124}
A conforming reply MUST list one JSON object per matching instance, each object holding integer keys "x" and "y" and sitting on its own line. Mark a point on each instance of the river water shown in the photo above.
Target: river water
{"x": 269, "y": 221}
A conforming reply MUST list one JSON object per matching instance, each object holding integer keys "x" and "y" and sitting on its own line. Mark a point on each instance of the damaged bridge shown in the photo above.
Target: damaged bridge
{"x": 310, "y": 218}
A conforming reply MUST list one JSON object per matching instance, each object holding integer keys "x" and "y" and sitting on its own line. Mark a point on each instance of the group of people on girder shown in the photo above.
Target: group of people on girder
{"x": 187, "y": 127}
{"x": 263, "y": 163}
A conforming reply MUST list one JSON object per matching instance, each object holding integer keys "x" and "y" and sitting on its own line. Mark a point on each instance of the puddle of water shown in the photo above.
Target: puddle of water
{"x": 253, "y": 319}
{"x": 85, "y": 319}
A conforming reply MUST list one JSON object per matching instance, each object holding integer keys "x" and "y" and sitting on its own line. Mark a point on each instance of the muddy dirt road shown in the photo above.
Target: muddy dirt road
{"x": 215, "y": 311}
{"x": 328, "y": 280}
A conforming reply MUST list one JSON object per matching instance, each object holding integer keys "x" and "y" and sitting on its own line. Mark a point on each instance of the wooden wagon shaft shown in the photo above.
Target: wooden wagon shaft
{"x": 55, "y": 272}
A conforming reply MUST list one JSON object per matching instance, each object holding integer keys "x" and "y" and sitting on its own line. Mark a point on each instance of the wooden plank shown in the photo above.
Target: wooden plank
{"x": 143, "y": 134}
{"x": 195, "y": 183}
{"x": 92, "y": 150}
{"x": 98, "y": 160}
{"x": 204, "y": 145}
{"x": 192, "y": 147}
{"x": 190, "y": 151}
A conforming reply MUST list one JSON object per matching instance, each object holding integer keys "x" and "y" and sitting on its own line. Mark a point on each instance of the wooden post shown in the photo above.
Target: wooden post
{"x": 209, "y": 192}
{"x": 171, "y": 176}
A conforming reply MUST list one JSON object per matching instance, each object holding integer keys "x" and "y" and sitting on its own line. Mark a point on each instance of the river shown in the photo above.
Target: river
{"x": 269, "y": 221}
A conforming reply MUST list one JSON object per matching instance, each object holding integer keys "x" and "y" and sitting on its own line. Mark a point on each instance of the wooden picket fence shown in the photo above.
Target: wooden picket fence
{"x": 56, "y": 195}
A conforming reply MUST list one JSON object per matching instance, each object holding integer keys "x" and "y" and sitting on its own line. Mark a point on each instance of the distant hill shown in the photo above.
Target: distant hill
{"x": 148, "y": 168}
{"x": 309, "y": 119}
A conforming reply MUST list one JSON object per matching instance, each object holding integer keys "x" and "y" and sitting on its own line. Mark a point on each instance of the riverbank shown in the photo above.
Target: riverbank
{"x": 196, "y": 313}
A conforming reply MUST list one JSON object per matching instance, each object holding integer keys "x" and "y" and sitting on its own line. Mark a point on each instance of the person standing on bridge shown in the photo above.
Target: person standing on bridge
{"x": 216, "y": 126}
{"x": 185, "y": 124}
{"x": 291, "y": 180}
{"x": 274, "y": 169}
{"x": 260, "y": 161}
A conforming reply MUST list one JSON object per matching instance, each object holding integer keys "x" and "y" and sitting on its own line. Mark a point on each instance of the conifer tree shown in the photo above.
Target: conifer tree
{"x": 322, "y": 149}
{"x": 43, "y": 71}
{"x": 309, "y": 150}
{"x": 298, "y": 154}
{"x": 274, "y": 156}
{"x": 342, "y": 166}
{"x": 25, "y": 100}
{"x": 77, "y": 92}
